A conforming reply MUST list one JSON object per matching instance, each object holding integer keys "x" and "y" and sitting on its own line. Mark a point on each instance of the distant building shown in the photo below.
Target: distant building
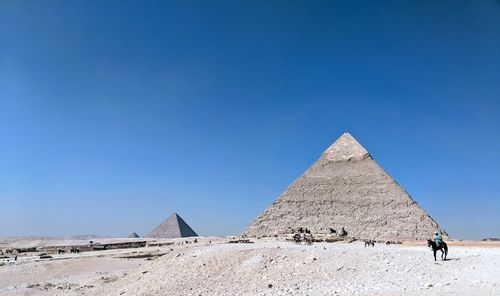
{"x": 133, "y": 235}
{"x": 173, "y": 227}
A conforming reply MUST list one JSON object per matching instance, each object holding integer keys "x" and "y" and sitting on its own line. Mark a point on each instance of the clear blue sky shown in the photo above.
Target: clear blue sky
{"x": 114, "y": 114}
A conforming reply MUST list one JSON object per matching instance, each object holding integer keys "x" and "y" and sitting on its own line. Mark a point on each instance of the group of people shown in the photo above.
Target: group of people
{"x": 438, "y": 238}
{"x": 303, "y": 237}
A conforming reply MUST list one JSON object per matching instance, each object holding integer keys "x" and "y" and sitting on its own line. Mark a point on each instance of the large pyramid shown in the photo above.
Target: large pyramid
{"x": 346, "y": 188}
{"x": 173, "y": 227}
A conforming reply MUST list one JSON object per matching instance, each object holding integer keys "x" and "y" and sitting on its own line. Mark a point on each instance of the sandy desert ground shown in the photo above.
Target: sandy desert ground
{"x": 267, "y": 267}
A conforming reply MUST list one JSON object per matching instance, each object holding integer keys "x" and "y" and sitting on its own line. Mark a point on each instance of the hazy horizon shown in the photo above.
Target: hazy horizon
{"x": 114, "y": 115}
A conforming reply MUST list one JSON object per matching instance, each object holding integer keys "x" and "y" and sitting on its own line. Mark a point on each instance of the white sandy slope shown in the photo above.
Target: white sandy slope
{"x": 283, "y": 268}
{"x": 219, "y": 268}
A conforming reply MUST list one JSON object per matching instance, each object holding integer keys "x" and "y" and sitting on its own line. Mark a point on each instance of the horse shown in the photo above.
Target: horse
{"x": 369, "y": 243}
{"x": 443, "y": 247}
{"x": 297, "y": 238}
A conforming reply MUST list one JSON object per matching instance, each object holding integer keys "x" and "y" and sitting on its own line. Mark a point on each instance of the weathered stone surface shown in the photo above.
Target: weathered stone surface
{"x": 173, "y": 227}
{"x": 346, "y": 188}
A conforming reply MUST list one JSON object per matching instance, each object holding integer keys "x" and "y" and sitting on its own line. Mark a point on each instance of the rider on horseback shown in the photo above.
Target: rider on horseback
{"x": 438, "y": 238}
{"x": 438, "y": 244}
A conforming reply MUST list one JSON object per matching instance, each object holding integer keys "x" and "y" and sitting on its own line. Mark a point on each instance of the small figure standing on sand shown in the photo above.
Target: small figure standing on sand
{"x": 343, "y": 233}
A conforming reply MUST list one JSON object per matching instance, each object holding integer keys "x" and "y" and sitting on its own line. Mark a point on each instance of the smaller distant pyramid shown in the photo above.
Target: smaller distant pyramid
{"x": 173, "y": 227}
{"x": 133, "y": 235}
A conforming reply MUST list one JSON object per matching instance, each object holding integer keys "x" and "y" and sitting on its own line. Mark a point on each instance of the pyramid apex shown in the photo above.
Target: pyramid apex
{"x": 346, "y": 148}
{"x": 347, "y": 135}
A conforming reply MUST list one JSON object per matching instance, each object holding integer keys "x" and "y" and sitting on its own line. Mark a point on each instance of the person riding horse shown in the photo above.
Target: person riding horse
{"x": 438, "y": 244}
{"x": 438, "y": 239}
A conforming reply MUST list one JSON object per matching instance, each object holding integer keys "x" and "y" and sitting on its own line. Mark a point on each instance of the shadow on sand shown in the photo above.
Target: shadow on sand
{"x": 451, "y": 259}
